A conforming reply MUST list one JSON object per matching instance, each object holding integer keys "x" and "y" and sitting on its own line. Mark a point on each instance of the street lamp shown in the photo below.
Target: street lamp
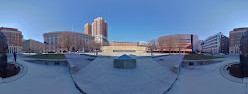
{"x": 45, "y": 46}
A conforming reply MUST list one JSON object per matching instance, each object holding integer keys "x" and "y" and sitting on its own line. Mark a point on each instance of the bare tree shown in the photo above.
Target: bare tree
{"x": 152, "y": 46}
{"x": 66, "y": 40}
{"x": 173, "y": 43}
{"x": 199, "y": 50}
{"x": 167, "y": 43}
{"x": 181, "y": 42}
{"x": 94, "y": 46}
{"x": 79, "y": 43}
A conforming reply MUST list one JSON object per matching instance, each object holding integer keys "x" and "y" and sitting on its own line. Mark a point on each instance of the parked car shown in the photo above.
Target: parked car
{"x": 51, "y": 52}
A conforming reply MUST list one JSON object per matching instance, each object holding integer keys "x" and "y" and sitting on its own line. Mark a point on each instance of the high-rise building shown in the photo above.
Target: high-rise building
{"x": 14, "y": 39}
{"x": 99, "y": 29}
{"x": 216, "y": 44}
{"x": 87, "y": 29}
{"x": 234, "y": 39}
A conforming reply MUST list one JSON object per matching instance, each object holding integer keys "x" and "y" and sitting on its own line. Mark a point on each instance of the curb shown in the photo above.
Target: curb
{"x": 230, "y": 77}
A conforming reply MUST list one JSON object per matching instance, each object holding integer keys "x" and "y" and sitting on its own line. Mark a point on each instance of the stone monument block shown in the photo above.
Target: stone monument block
{"x": 244, "y": 53}
{"x": 3, "y": 51}
{"x": 125, "y": 62}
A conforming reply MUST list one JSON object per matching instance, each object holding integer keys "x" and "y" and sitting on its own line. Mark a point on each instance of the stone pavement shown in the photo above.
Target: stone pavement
{"x": 206, "y": 79}
{"x": 41, "y": 79}
{"x": 78, "y": 61}
{"x": 150, "y": 77}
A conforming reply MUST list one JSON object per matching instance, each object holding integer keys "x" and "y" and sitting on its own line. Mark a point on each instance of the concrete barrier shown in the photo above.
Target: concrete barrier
{"x": 60, "y": 62}
{"x": 72, "y": 67}
{"x": 201, "y": 62}
{"x": 176, "y": 69}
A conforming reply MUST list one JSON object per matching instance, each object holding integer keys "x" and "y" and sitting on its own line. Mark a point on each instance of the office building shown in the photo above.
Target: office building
{"x": 143, "y": 43}
{"x": 52, "y": 42}
{"x": 216, "y": 44}
{"x": 32, "y": 46}
{"x": 185, "y": 43}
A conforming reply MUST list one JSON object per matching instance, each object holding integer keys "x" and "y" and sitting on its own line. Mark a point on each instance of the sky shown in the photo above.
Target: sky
{"x": 128, "y": 20}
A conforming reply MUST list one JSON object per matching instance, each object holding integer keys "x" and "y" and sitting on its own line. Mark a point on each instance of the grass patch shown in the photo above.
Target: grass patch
{"x": 198, "y": 57}
{"x": 48, "y": 56}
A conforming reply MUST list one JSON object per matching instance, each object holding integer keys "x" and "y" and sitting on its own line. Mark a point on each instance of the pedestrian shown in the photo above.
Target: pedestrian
{"x": 14, "y": 56}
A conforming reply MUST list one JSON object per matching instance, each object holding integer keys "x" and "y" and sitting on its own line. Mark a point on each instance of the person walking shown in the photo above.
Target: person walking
{"x": 14, "y": 56}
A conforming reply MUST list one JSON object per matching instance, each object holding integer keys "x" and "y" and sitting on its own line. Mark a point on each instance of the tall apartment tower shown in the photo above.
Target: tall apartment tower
{"x": 87, "y": 29}
{"x": 99, "y": 27}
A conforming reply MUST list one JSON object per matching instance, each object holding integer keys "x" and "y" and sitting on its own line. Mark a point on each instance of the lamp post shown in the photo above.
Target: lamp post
{"x": 45, "y": 46}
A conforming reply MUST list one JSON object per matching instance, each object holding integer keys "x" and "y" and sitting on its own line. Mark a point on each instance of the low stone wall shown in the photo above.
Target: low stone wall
{"x": 176, "y": 69}
{"x": 72, "y": 67}
{"x": 89, "y": 55}
{"x": 61, "y": 62}
{"x": 136, "y": 49}
{"x": 200, "y": 62}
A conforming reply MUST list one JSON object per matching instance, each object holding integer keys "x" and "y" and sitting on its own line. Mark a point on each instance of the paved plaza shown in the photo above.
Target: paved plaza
{"x": 96, "y": 75}
{"x": 150, "y": 77}
{"x": 41, "y": 79}
{"x": 207, "y": 79}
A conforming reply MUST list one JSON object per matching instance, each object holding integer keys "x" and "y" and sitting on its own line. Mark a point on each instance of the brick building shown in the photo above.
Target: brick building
{"x": 234, "y": 39}
{"x": 14, "y": 39}
{"x": 98, "y": 29}
{"x": 113, "y": 43}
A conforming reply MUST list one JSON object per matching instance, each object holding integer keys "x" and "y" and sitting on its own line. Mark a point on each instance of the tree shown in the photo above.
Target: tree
{"x": 94, "y": 46}
{"x": 181, "y": 42}
{"x": 167, "y": 43}
{"x": 79, "y": 43}
{"x": 66, "y": 40}
{"x": 152, "y": 46}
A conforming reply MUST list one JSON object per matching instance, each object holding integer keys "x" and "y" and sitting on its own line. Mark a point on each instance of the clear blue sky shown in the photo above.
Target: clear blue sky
{"x": 128, "y": 20}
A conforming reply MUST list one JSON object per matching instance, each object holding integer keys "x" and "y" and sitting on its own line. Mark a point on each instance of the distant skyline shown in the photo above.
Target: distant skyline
{"x": 128, "y": 20}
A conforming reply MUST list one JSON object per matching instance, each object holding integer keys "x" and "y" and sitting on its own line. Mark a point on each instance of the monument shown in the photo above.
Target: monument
{"x": 3, "y": 51}
{"x": 240, "y": 70}
{"x": 125, "y": 62}
{"x": 244, "y": 53}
